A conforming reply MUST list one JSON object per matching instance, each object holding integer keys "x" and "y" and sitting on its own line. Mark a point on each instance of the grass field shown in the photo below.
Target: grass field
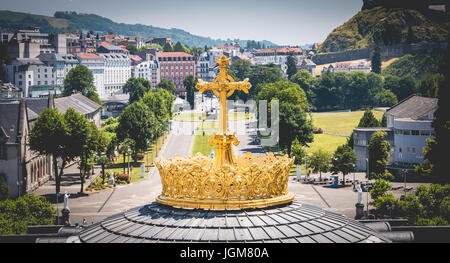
{"x": 201, "y": 145}
{"x": 337, "y": 127}
{"x": 341, "y": 123}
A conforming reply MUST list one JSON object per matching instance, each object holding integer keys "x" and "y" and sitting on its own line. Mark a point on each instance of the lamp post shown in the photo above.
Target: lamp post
{"x": 404, "y": 176}
{"x": 367, "y": 187}
{"x": 128, "y": 152}
{"x": 304, "y": 148}
{"x": 354, "y": 169}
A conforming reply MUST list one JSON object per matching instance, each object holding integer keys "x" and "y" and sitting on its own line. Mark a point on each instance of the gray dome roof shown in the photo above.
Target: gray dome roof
{"x": 292, "y": 223}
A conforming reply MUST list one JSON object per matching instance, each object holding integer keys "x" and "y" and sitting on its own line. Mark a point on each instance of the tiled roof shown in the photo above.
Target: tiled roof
{"x": 78, "y": 102}
{"x": 293, "y": 223}
{"x": 278, "y": 51}
{"x": 88, "y": 56}
{"x": 414, "y": 107}
{"x": 9, "y": 119}
{"x": 173, "y": 54}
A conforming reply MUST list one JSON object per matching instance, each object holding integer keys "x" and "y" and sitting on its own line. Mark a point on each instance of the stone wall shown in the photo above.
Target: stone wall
{"x": 386, "y": 53}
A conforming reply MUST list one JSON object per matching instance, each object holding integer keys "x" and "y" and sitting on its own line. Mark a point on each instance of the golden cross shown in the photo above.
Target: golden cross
{"x": 223, "y": 87}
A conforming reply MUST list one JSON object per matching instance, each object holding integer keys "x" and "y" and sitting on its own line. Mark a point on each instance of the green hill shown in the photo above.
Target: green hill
{"x": 76, "y": 22}
{"x": 414, "y": 65}
{"x": 391, "y": 25}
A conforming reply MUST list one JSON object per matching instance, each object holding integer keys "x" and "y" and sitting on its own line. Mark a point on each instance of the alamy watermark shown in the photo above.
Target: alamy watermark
{"x": 243, "y": 117}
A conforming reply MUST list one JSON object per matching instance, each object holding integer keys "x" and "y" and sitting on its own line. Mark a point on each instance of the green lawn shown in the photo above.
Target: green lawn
{"x": 337, "y": 127}
{"x": 341, "y": 123}
{"x": 326, "y": 142}
{"x": 201, "y": 145}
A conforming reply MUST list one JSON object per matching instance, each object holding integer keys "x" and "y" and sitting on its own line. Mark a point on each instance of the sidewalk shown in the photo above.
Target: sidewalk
{"x": 70, "y": 183}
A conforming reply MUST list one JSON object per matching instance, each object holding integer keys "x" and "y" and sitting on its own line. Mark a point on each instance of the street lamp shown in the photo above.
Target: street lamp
{"x": 367, "y": 187}
{"x": 128, "y": 151}
{"x": 354, "y": 169}
{"x": 404, "y": 175}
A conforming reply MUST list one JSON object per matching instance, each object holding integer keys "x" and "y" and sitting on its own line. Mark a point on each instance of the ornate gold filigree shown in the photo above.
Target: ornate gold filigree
{"x": 255, "y": 181}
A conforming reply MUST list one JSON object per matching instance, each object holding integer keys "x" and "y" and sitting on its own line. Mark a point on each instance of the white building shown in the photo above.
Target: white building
{"x": 148, "y": 70}
{"x": 364, "y": 66}
{"x": 96, "y": 64}
{"x": 276, "y": 56}
{"x": 203, "y": 68}
{"x": 61, "y": 65}
{"x": 117, "y": 70}
{"x": 30, "y": 73}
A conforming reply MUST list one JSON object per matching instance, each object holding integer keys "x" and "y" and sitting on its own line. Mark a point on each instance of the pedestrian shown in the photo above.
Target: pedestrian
{"x": 84, "y": 222}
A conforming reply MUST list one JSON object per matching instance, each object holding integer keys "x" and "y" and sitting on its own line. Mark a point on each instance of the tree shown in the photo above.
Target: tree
{"x": 4, "y": 187}
{"x": 241, "y": 69}
{"x": 159, "y": 102}
{"x": 374, "y": 88}
{"x": 189, "y": 83}
{"x": 285, "y": 92}
{"x": 138, "y": 123}
{"x": 137, "y": 87}
{"x": 291, "y": 63}
{"x": 407, "y": 86}
{"x": 376, "y": 60}
{"x": 103, "y": 161}
{"x": 298, "y": 152}
{"x": 383, "y": 122}
{"x": 344, "y": 161}
{"x": 387, "y": 98}
{"x": 429, "y": 85}
{"x": 168, "y": 85}
{"x": 305, "y": 80}
{"x": 294, "y": 124}
{"x": 81, "y": 80}
{"x": 378, "y": 156}
{"x": 49, "y": 136}
{"x": 83, "y": 140}
{"x": 368, "y": 120}
{"x": 411, "y": 38}
{"x": 167, "y": 48}
{"x": 29, "y": 209}
{"x": 319, "y": 161}
{"x": 178, "y": 47}
{"x": 441, "y": 125}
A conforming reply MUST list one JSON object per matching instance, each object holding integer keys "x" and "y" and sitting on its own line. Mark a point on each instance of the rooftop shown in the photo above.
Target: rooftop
{"x": 78, "y": 102}
{"x": 279, "y": 50}
{"x": 413, "y": 107}
{"x": 88, "y": 56}
{"x": 173, "y": 54}
{"x": 292, "y": 223}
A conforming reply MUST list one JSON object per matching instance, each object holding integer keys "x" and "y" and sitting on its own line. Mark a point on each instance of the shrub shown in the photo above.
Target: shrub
{"x": 140, "y": 156}
{"x": 435, "y": 221}
{"x": 380, "y": 188}
{"x": 383, "y": 202}
{"x": 30, "y": 209}
{"x": 318, "y": 130}
{"x": 4, "y": 187}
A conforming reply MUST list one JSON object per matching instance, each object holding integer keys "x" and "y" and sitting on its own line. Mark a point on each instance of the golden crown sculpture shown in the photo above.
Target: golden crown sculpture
{"x": 226, "y": 182}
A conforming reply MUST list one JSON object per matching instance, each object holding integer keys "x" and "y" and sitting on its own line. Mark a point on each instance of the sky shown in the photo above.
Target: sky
{"x": 284, "y": 22}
